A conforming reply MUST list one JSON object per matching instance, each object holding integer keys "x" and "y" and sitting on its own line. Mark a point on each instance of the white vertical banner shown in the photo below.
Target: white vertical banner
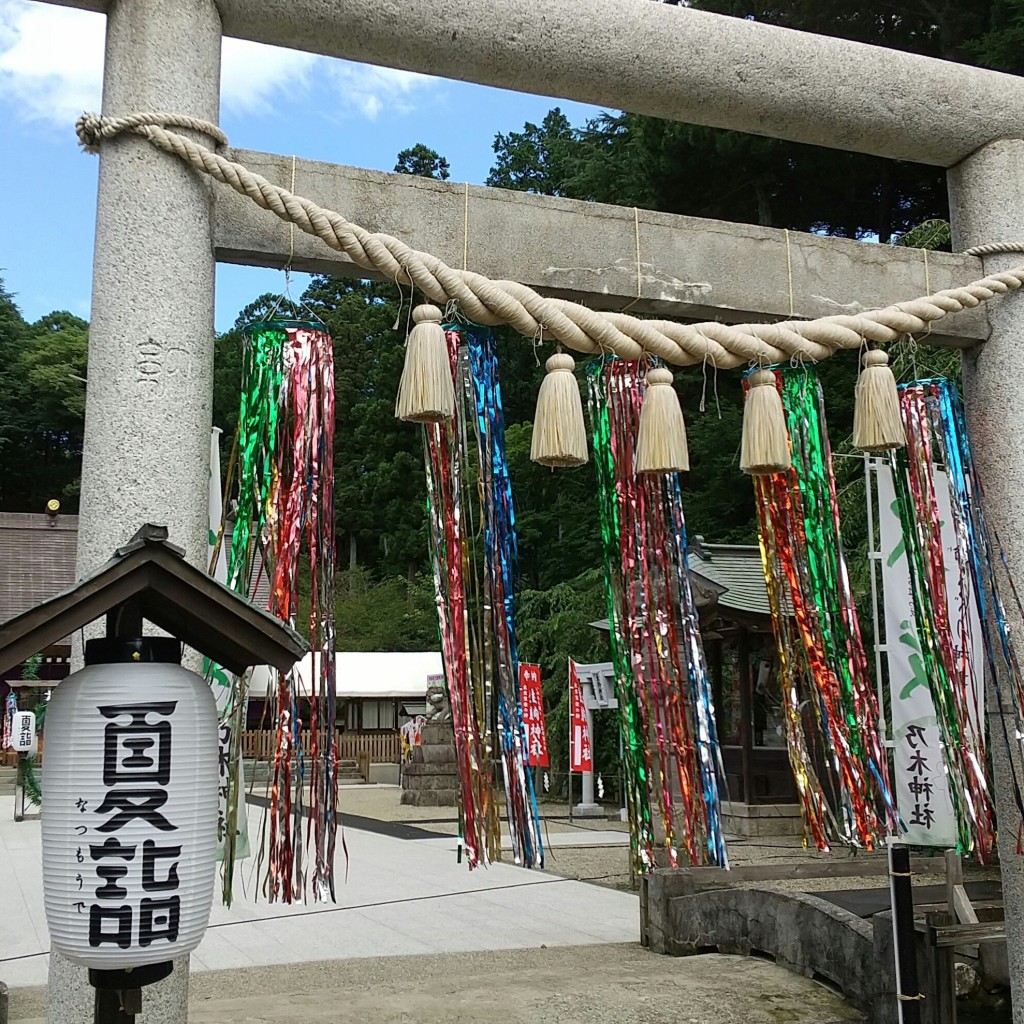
{"x": 922, "y": 790}
{"x": 216, "y": 502}
{"x": 220, "y": 680}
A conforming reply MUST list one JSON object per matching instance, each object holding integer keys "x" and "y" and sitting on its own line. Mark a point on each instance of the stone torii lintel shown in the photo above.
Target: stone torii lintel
{"x": 587, "y": 252}
{"x": 666, "y": 61}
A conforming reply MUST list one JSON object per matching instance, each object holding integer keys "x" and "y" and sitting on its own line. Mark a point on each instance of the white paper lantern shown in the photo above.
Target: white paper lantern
{"x": 23, "y": 731}
{"x": 129, "y": 814}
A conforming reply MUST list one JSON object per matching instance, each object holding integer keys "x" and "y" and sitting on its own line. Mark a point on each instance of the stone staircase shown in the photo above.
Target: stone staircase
{"x": 349, "y": 773}
{"x": 7, "y": 777}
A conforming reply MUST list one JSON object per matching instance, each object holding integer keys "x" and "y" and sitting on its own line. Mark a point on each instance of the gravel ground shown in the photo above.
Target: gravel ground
{"x": 590, "y": 985}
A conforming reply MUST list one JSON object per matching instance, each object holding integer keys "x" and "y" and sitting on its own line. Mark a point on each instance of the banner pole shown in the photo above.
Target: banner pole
{"x": 569, "y": 716}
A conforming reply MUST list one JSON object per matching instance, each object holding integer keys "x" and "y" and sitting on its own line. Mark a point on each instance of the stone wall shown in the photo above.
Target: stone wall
{"x": 798, "y": 931}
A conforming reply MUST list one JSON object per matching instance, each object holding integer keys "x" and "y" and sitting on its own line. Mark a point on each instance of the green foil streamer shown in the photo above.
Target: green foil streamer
{"x": 824, "y": 580}
{"x": 262, "y": 372}
{"x": 641, "y": 832}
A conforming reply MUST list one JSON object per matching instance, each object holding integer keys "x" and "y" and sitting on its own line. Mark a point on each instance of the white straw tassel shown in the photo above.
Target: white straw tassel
{"x": 426, "y": 393}
{"x": 559, "y": 435}
{"x": 877, "y": 425}
{"x": 661, "y": 440}
{"x": 765, "y": 447}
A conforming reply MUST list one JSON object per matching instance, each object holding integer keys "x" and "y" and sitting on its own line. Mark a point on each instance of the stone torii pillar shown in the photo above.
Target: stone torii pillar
{"x": 148, "y": 402}
{"x": 987, "y": 205}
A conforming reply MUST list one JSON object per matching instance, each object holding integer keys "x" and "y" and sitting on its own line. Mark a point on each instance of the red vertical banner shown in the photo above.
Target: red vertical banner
{"x": 580, "y": 755}
{"x": 531, "y": 699}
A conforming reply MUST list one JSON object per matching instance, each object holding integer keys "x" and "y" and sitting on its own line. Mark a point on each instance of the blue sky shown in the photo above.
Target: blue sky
{"x": 275, "y": 100}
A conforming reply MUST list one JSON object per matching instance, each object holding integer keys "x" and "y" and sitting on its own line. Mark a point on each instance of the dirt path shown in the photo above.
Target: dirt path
{"x": 588, "y": 985}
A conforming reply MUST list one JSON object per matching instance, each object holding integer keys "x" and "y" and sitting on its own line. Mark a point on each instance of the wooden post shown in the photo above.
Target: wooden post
{"x": 960, "y": 908}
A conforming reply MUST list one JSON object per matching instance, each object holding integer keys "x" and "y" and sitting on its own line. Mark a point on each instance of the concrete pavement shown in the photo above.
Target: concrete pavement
{"x": 402, "y": 897}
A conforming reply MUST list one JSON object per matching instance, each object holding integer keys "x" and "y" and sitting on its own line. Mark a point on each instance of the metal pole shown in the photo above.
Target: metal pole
{"x": 908, "y": 997}
{"x": 569, "y": 718}
{"x": 108, "y": 1008}
{"x": 874, "y": 558}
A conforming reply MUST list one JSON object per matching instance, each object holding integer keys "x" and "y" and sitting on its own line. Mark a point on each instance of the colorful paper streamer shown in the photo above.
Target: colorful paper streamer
{"x": 831, "y": 706}
{"x": 285, "y": 503}
{"x": 671, "y": 755}
{"x": 936, "y": 427}
{"x": 473, "y": 556}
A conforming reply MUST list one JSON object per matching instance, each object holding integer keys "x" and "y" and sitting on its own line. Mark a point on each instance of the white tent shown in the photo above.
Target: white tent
{"x": 368, "y": 675}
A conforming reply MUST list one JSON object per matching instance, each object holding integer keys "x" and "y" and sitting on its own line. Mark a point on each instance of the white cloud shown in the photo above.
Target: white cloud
{"x": 252, "y": 73}
{"x": 51, "y": 69}
{"x": 369, "y": 90}
{"x": 51, "y": 60}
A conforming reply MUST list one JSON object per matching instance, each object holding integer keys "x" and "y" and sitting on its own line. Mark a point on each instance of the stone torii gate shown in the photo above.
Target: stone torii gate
{"x": 160, "y": 229}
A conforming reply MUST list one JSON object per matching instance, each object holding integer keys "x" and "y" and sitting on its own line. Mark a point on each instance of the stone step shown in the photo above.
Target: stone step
{"x": 261, "y": 774}
{"x": 423, "y": 770}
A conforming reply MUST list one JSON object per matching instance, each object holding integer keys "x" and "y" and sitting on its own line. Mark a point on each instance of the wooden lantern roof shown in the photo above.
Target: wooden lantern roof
{"x": 148, "y": 578}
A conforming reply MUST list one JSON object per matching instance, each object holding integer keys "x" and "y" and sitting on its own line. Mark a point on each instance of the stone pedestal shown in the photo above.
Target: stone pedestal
{"x": 751, "y": 820}
{"x": 431, "y": 779}
{"x": 71, "y": 998}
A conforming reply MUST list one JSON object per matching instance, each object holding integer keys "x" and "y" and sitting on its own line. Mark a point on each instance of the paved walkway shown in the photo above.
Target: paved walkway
{"x": 403, "y": 896}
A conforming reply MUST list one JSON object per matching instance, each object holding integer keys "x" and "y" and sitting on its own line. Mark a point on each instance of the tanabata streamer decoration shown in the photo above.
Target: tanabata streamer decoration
{"x": 10, "y": 706}
{"x": 936, "y": 433}
{"x": 831, "y": 706}
{"x": 671, "y": 755}
{"x": 473, "y": 554}
{"x": 285, "y": 510}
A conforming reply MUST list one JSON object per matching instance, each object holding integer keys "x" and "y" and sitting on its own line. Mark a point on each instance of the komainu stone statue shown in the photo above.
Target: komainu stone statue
{"x": 438, "y": 709}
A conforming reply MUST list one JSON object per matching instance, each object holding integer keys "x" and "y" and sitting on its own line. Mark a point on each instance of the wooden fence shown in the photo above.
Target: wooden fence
{"x": 363, "y": 748}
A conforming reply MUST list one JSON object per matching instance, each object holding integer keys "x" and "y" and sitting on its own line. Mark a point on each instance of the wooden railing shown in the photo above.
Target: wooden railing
{"x": 364, "y": 748}
{"x": 379, "y": 747}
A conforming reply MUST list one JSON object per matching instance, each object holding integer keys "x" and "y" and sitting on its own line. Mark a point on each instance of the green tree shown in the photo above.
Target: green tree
{"x": 537, "y": 159}
{"x": 1001, "y": 46}
{"x": 557, "y": 525}
{"x": 12, "y": 331}
{"x": 392, "y": 614}
{"x": 380, "y": 495}
{"x": 424, "y": 162}
{"x": 42, "y": 373}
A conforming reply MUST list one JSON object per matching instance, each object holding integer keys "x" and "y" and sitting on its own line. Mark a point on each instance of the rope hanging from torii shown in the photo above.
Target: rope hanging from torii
{"x": 507, "y": 302}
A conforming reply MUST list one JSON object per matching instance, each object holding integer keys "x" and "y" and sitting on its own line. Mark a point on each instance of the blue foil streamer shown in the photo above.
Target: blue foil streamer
{"x": 501, "y": 546}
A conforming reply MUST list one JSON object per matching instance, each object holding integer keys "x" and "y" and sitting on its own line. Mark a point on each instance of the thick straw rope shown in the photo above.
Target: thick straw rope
{"x": 507, "y": 302}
